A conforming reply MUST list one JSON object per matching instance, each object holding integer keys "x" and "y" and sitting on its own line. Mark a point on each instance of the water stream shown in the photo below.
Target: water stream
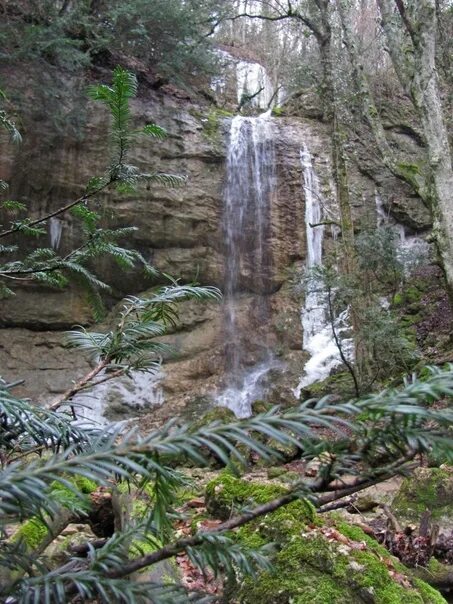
{"x": 250, "y": 182}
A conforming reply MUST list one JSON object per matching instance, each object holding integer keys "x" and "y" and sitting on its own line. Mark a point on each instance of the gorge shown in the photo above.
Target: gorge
{"x": 226, "y": 354}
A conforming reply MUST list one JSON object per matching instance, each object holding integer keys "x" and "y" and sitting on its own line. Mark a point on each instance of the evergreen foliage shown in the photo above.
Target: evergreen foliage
{"x": 48, "y": 459}
{"x": 375, "y": 437}
{"x": 170, "y": 36}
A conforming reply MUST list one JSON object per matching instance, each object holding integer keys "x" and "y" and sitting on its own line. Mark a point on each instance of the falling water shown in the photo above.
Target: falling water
{"x": 318, "y": 339}
{"x": 246, "y": 224}
{"x": 55, "y": 230}
{"x": 253, "y": 82}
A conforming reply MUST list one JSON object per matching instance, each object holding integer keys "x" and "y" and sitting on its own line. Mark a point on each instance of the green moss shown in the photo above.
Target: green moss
{"x": 398, "y": 299}
{"x": 428, "y": 489}
{"x": 410, "y": 171}
{"x": 85, "y": 484}
{"x": 428, "y": 593}
{"x": 260, "y": 407}
{"x": 355, "y": 533}
{"x": 340, "y": 384}
{"x": 143, "y": 546}
{"x": 221, "y": 415}
{"x": 312, "y": 568}
{"x": 31, "y": 533}
{"x": 295, "y": 576}
{"x": 213, "y": 121}
{"x": 227, "y": 493}
{"x": 291, "y": 477}
{"x": 276, "y": 472}
{"x": 68, "y": 498}
{"x": 278, "y": 111}
{"x": 412, "y": 294}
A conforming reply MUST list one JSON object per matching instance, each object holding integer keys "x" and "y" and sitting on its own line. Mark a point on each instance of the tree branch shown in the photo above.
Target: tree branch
{"x": 407, "y": 22}
{"x": 61, "y": 210}
{"x": 70, "y": 392}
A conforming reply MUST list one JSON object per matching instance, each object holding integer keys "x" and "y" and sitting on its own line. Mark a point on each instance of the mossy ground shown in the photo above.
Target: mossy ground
{"x": 227, "y": 494}
{"x": 311, "y": 568}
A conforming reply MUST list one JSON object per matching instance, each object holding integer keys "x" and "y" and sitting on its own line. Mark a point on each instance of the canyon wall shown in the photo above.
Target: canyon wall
{"x": 180, "y": 232}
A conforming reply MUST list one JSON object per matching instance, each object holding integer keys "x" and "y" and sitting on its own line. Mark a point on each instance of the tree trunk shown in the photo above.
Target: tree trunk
{"x": 370, "y": 110}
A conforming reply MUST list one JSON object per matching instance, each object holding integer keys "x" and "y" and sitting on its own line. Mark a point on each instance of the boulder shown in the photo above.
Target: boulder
{"x": 317, "y": 560}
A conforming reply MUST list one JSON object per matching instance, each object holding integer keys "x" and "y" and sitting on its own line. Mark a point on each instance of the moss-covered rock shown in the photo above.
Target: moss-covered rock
{"x": 227, "y": 494}
{"x": 340, "y": 385}
{"x": 327, "y": 565}
{"x": 75, "y": 501}
{"x": 427, "y": 489}
{"x": 221, "y": 415}
{"x": 317, "y": 560}
{"x": 212, "y": 123}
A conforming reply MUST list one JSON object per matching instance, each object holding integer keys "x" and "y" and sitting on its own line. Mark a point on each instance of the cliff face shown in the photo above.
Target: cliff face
{"x": 180, "y": 232}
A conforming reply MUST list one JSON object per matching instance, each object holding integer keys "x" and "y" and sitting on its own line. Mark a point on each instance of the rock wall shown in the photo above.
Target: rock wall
{"x": 179, "y": 231}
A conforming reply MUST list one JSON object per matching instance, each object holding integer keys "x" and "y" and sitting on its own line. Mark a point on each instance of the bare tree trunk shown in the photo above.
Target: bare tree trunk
{"x": 370, "y": 110}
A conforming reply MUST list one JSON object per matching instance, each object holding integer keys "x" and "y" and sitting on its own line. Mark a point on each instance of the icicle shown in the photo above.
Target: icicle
{"x": 318, "y": 339}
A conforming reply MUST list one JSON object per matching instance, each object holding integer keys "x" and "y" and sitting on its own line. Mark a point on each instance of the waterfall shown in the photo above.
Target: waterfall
{"x": 55, "y": 230}
{"x": 250, "y": 182}
{"x": 318, "y": 338}
{"x": 251, "y": 81}
{"x": 254, "y": 82}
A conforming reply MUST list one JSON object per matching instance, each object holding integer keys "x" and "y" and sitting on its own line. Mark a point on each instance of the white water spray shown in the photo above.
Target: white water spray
{"x": 140, "y": 391}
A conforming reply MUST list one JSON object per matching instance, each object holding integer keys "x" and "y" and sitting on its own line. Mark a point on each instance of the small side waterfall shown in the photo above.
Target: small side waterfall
{"x": 55, "y": 230}
{"x": 249, "y": 186}
{"x": 318, "y": 339}
{"x": 411, "y": 248}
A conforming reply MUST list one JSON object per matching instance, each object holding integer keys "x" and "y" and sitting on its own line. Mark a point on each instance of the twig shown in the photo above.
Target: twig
{"x": 343, "y": 503}
{"x": 84, "y": 548}
{"x": 395, "y": 525}
{"x": 61, "y": 210}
